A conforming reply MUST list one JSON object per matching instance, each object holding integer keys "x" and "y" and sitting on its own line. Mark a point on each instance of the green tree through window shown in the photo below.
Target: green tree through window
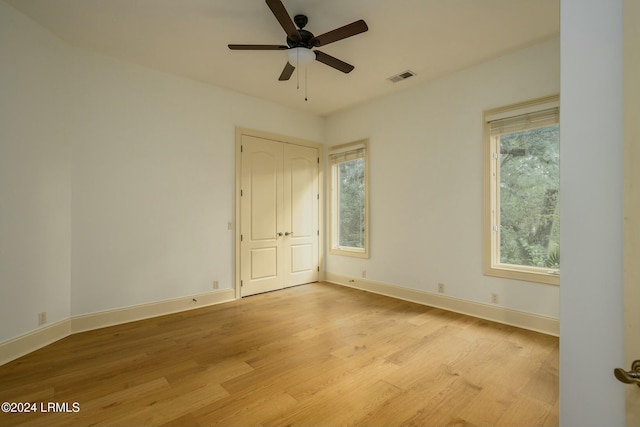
{"x": 351, "y": 204}
{"x": 529, "y": 164}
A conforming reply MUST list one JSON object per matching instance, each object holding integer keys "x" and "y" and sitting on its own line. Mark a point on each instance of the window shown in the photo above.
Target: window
{"x": 349, "y": 200}
{"x": 522, "y": 191}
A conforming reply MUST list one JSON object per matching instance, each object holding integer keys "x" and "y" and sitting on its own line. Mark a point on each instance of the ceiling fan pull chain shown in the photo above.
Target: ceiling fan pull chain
{"x": 306, "y": 80}
{"x": 298, "y": 68}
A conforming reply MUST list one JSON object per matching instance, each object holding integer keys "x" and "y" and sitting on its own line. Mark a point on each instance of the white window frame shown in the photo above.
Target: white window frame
{"x": 491, "y": 237}
{"x": 335, "y": 152}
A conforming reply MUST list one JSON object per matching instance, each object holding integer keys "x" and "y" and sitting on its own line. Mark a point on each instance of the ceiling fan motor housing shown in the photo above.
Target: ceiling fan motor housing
{"x": 305, "y": 36}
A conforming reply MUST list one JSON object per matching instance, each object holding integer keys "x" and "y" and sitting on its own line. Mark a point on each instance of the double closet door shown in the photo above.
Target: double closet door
{"x": 279, "y": 211}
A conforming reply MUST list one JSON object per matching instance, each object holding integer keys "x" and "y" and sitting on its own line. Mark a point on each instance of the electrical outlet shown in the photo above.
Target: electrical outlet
{"x": 42, "y": 318}
{"x": 215, "y": 284}
{"x": 494, "y": 298}
{"x": 441, "y": 288}
{"x": 364, "y": 274}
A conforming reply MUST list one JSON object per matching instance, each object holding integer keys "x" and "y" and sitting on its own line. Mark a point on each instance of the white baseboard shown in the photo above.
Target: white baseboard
{"x": 32, "y": 341}
{"x": 87, "y": 322}
{"x": 521, "y": 319}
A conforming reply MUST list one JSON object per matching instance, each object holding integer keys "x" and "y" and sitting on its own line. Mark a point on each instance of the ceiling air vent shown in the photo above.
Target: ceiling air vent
{"x": 402, "y": 76}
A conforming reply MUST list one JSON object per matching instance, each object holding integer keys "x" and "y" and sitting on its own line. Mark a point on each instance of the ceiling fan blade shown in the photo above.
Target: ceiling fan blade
{"x": 333, "y": 62}
{"x": 340, "y": 33}
{"x": 257, "y": 47}
{"x": 287, "y": 72}
{"x": 284, "y": 19}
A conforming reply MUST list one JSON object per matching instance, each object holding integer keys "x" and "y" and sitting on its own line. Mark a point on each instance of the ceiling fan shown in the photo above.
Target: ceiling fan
{"x": 300, "y": 41}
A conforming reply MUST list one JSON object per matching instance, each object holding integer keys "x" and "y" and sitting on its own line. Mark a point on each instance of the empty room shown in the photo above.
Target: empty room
{"x": 294, "y": 212}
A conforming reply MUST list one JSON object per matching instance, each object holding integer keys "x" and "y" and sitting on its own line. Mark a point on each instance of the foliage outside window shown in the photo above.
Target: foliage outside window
{"x": 348, "y": 202}
{"x": 522, "y": 226}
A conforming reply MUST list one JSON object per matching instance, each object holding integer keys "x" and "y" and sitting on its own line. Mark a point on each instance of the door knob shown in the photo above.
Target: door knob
{"x": 287, "y": 233}
{"x": 629, "y": 377}
{"x": 280, "y": 234}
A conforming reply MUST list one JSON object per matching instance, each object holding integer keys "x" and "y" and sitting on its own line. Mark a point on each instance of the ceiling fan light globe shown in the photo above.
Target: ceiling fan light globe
{"x": 300, "y": 56}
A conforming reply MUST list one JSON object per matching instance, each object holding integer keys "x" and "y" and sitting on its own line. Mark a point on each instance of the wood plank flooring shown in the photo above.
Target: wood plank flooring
{"x": 317, "y": 354}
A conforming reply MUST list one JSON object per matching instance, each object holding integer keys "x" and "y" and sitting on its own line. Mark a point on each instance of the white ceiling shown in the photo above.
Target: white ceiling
{"x": 189, "y": 38}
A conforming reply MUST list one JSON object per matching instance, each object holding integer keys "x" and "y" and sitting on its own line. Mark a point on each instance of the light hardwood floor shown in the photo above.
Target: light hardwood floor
{"x": 317, "y": 354}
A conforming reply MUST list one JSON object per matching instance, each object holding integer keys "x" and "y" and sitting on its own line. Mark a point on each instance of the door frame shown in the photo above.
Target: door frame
{"x": 631, "y": 108}
{"x": 240, "y": 132}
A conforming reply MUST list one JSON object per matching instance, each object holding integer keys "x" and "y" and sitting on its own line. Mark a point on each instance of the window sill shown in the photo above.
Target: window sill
{"x": 535, "y": 275}
{"x": 356, "y": 253}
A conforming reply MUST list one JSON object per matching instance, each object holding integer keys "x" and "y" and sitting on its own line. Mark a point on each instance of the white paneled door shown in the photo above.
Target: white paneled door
{"x": 301, "y": 200}
{"x": 279, "y": 215}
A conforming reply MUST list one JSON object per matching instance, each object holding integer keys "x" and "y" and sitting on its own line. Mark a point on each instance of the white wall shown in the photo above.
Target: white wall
{"x": 35, "y": 161}
{"x": 116, "y": 181}
{"x": 426, "y": 179}
{"x": 591, "y": 204}
{"x": 153, "y": 182}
